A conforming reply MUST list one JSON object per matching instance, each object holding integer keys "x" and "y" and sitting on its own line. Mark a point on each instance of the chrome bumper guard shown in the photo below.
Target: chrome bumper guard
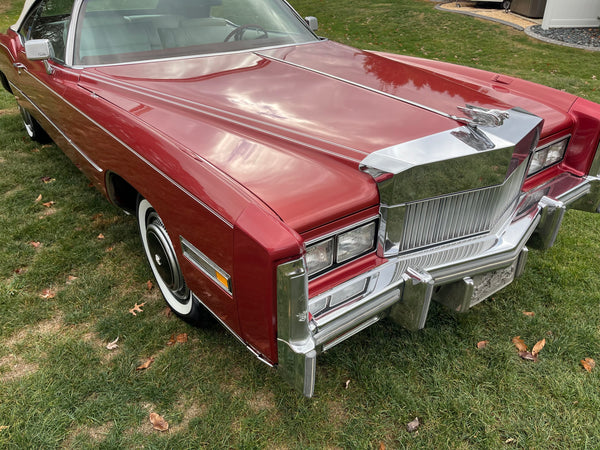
{"x": 458, "y": 275}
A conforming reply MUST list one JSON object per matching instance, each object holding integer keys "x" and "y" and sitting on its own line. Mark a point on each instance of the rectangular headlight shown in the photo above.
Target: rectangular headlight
{"x": 355, "y": 242}
{"x": 548, "y": 155}
{"x": 319, "y": 256}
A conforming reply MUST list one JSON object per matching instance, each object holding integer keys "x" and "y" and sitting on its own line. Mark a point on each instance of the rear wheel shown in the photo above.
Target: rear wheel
{"x": 32, "y": 127}
{"x": 163, "y": 262}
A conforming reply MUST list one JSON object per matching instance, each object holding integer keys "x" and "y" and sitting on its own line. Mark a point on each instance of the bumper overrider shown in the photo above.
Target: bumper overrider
{"x": 456, "y": 249}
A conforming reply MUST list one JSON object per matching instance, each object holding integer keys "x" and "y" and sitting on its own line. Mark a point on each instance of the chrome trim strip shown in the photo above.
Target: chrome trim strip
{"x": 244, "y": 343}
{"x": 69, "y": 141}
{"x": 205, "y": 264}
{"x": 226, "y": 115}
{"x": 462, "y": 120}
{"x": 160, "y": 172}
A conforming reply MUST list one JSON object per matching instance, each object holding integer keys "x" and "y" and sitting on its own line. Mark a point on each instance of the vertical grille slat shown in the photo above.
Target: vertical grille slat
{"x": 455, "y": 216}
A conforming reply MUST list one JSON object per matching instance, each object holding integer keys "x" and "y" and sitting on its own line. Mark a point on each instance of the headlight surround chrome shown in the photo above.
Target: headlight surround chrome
{"x": 548, "y": 155}
{"x": 341, "y": 247}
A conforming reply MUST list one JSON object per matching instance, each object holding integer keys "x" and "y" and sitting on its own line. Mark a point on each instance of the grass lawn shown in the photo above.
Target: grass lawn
{"x": 71, "y": 268}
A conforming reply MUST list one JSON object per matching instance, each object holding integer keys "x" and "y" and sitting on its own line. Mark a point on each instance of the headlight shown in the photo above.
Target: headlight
{"x": 355, "y": 242}
{"x": 340, "y": 248}
{"x": 548, "y": 155}
{"x": 319, "y": 256}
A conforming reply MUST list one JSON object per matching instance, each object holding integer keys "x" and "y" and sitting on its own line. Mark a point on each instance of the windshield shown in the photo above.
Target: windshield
{"x": 115, "y": 31}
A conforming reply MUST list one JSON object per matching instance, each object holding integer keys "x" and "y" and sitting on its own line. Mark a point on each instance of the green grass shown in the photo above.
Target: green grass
{"x": 60, "y": 386}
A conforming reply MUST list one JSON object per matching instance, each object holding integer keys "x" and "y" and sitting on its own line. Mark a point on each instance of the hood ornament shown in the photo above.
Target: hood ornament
{"x": 484, "y": 117}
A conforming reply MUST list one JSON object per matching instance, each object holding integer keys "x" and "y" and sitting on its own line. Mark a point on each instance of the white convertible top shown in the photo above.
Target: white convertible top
{"x": 26, "y": 8}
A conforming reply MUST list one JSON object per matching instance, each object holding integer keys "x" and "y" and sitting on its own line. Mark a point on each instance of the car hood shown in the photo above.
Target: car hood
{"x": 293, "y": 124}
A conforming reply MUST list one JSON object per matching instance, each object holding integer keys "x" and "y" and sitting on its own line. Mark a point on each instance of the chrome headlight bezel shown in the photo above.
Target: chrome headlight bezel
{"x": 341, "y": 247}
{"x": 548, "y": 155}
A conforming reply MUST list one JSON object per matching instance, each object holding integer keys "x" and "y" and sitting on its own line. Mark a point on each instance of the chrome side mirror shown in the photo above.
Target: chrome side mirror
{"x": 312, "y": 22}
{"x": 40, "y": 50}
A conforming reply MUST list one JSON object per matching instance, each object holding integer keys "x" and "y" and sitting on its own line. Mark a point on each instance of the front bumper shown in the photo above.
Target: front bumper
{"x": 459, "y": 275}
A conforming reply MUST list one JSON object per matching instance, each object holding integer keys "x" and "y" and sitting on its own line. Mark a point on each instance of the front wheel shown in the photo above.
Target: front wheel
{"x": 163, "y": 262}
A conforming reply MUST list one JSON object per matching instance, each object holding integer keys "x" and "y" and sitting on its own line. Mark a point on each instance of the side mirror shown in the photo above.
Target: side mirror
{"x": 312, "y": 22}
{"x": 38, "y": 49}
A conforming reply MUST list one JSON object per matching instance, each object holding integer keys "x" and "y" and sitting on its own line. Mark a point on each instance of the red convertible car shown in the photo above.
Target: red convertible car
{"x": 299, "y": 189}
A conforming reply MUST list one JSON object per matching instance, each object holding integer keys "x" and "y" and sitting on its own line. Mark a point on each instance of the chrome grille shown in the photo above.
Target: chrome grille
{"x": 458, "y": 216}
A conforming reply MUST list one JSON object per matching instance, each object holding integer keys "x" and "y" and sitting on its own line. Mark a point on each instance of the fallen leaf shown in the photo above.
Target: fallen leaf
{"x": 539, "y": 345}
{"x": 171, "y": 340}
{"x": 4, "y": 427}
{"x": 346, "y": 384}
{"x": 145, "y": 364}
{"x": 113, "y": 345}
{"x": 70, "y": 279}
{"x": 528, "y": 356}
{"x": 381, "y": 446}
{"x": 97, "y": 216}
{"x": 35, "y": 244}
{"x": 413, "y": 426}
{"x": 47, "y": 180}
{"x": 20, "y": 270}
{"x": 482, "y": 344}
{"x": 49, "y": 204}
{"x": 137, "y": 308}
{"x": 149, "y": 285}
{"x": 588, "y": 364}
{"x": 47, "y": 294}
{"x": 167, "y": 311}
{"x": 100, "y": 236}
{"x": 158, "y": 423}
{"x": 38, "y": 198}
{"x": 109, "y": 249}
{"x": 182, "y": 338}
{"x": 529, "y": 313}
{"x": 519, "y": 343}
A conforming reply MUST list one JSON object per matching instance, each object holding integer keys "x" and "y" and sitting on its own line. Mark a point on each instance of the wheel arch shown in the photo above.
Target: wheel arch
{"x": 121, "y": 193}
{"x": 5, "y": 83}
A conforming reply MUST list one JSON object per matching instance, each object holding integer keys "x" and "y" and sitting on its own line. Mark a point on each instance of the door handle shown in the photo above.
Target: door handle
{"x": 19, "y": 67}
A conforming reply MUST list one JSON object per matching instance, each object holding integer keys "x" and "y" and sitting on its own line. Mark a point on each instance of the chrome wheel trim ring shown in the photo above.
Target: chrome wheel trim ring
{"x": 157, "y": 245}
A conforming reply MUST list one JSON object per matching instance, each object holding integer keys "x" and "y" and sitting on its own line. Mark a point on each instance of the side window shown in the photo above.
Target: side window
{"x": 49, "y": 20}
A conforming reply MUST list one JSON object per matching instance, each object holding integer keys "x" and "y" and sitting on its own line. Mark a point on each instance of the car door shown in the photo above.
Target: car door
{"x": 43, "y": 87}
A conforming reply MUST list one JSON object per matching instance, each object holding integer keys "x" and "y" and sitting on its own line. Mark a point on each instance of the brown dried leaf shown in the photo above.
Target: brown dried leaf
{"x": 145, "y": 364}
{"x": 49, "y": 204}
{"x": 109, "y": 249}
{"x": 167, "y": 312}
{"x": 519, "y": 343}
{"x": 38, "y": 198}
{"x": 137, "y": 308}
{"x": 47, "y": 294}
{"x": 171, "y": 340}
{"x": 588, "y": 364}
{"x": 528, "y": 356}
{"x": 35, "y": 244}
{"x": 381, "y": 446}
{"x": 158, "y": 423}
{"x": 4, "y": 427}
{"x": 529, "y": 313}
{"x": 149, "y": 285}
{"x": 182, "y": 338}
{"x": 47, "y": 180}
{"x": 71, "y": 278}
{"x": 346, "y": 384}
{"x": 482, "y": 344}
{"x": 100, "y": 236}
{"x": 413, "y": 426}
{"x": 20, "y": 270}
{"x": 537, "y": 348}
{"x": 113, "y": 345}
